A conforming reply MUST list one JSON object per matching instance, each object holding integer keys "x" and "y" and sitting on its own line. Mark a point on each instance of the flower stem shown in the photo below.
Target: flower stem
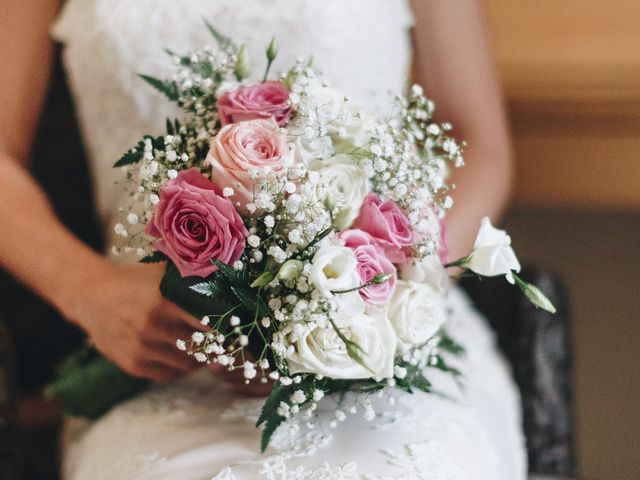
{"x": 377, "y": 280}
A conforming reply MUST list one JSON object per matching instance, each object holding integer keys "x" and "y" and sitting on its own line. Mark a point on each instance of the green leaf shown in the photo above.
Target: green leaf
{"x": 216, "y": 286}
{"x": 269, "y": 414}
{"x": 178, "y": 290}
{"x": 443, "y": 366}
{"x": 170, "y": 129}
{"x": 448, "y": 344}
{"x": 168, "y": 88}
{"x": 246, "y": 296}
{"x": 132, "y": 156}
{"x": 263, "y": 279}
{"x": 222, "y": 40}
{"x": 235, "y": 277}
{"x": 278, "y": 393}
{"x": 155, "y": 257}
{"x": 421, "y": 383}
{"x": 89, "y": 385}
{"x": 269, "y": 429}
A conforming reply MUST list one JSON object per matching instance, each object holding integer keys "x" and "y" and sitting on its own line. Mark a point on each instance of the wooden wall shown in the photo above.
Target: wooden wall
{"x": 571, "y": 72}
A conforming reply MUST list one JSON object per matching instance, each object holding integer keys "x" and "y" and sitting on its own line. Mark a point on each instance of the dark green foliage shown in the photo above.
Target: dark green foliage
{"x": 135, "y": 154}
{"x": 168, "y": 88}
{"x": 448, "y": 344}
{"x": 132, "y": 156}
{"x": 155, "y": 257}
{"x": 440, "y": 364}
{"x": 170, "y": 129}
{"x": 89, "y": 385}
{"x": 222, "y": 40}
{"x": 178, "y": 290}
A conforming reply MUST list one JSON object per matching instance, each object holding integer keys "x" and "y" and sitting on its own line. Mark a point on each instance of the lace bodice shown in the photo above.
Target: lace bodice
{"x": 362, "y": 47}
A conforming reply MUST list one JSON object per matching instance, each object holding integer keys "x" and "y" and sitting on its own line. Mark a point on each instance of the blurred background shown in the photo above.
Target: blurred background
{"x": 571, "y": 73}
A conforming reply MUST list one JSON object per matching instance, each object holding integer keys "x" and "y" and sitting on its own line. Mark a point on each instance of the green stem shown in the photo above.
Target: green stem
{"x": 377, "y": 280}
{"x": 304, "y": 253}
{"x": 458, "y": 263}
{"x": 266, "y": 72}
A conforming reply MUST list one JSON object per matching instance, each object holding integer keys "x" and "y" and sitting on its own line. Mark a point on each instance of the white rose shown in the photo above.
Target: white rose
{"x": 429, "y": 270}
{"x": 334, "y": 268}
{"x": 492, "y": 254}
{"x": 320, "y": 350}
{"x": 416, "y": 312}
{"x": 350, "y": 126}
{"x": 307, "y": 151}
{"x": 344, "y": 185}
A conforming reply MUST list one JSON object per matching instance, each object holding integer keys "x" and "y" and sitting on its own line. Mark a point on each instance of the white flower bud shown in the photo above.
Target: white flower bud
{"x": 492, "y": 254}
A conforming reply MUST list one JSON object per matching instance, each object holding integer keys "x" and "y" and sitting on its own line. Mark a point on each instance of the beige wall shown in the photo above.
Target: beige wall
{"x": 571, "y": 71}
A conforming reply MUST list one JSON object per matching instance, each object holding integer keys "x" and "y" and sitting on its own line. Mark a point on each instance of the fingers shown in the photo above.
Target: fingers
{"x": 169, "y": 331}
{"x": 173, "y": 312}
{"x": 172, "y": 358}
{"x": 159, "y": 372}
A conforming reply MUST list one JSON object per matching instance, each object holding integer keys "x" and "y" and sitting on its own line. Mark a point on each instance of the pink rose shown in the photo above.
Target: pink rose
{"x": 389, "y": 227}
{"x": 195, "y": 224}
{"x": 241, "y": 150}
{"x": 372, "y": 261}
{"x": 262, "y": 100}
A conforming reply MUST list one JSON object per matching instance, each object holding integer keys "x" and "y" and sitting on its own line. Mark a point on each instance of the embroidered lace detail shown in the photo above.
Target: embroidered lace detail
{"x": 247, "y": 410}
{"x": 277, "y": 470}
{"x": 422, "y": 461}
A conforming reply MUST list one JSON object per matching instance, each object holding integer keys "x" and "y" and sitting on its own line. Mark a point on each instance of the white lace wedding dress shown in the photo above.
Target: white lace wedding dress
{"x": 196, "y": 429}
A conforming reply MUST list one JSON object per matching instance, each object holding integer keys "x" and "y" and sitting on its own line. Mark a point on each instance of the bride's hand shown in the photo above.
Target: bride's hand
{"x": 123, "y": 312}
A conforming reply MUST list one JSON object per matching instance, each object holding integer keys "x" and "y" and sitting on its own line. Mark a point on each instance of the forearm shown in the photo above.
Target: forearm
{"x": 454, "y": 62}
{"x": 34, "y": 246}
{"x": 479, "y": 192}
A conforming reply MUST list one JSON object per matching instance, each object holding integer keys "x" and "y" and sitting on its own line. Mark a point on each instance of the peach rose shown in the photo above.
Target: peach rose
{"x": 241, "y": 152}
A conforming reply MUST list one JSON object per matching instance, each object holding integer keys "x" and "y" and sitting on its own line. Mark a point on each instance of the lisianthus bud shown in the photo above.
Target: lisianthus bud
{"x": 535, "y": 296}
{"x": 290, "y": 270}
{"x": 272, "y": 50}
{"x": 312, "y": 62}
{"x": 329, "y": 204}
{"x": 243, "y": 63}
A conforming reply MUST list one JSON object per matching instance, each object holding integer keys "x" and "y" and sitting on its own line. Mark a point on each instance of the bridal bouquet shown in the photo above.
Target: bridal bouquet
{"x": 305, "y": 232}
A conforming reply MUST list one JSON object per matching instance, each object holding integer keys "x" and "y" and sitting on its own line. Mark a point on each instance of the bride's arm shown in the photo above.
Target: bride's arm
{"x": 120, "y": 307}
{"x": 454, "y": 62}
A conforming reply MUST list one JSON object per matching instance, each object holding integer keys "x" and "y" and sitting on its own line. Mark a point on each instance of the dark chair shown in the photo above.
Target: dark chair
{"x": 536, "y": 344}
{"x": 538, "y": 347}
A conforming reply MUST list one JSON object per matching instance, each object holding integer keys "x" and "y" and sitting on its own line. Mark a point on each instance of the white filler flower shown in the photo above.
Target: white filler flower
{"x": 320, "y": 350}
{"x": 417, "y": 312}
{"x": 492, "y": 254}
